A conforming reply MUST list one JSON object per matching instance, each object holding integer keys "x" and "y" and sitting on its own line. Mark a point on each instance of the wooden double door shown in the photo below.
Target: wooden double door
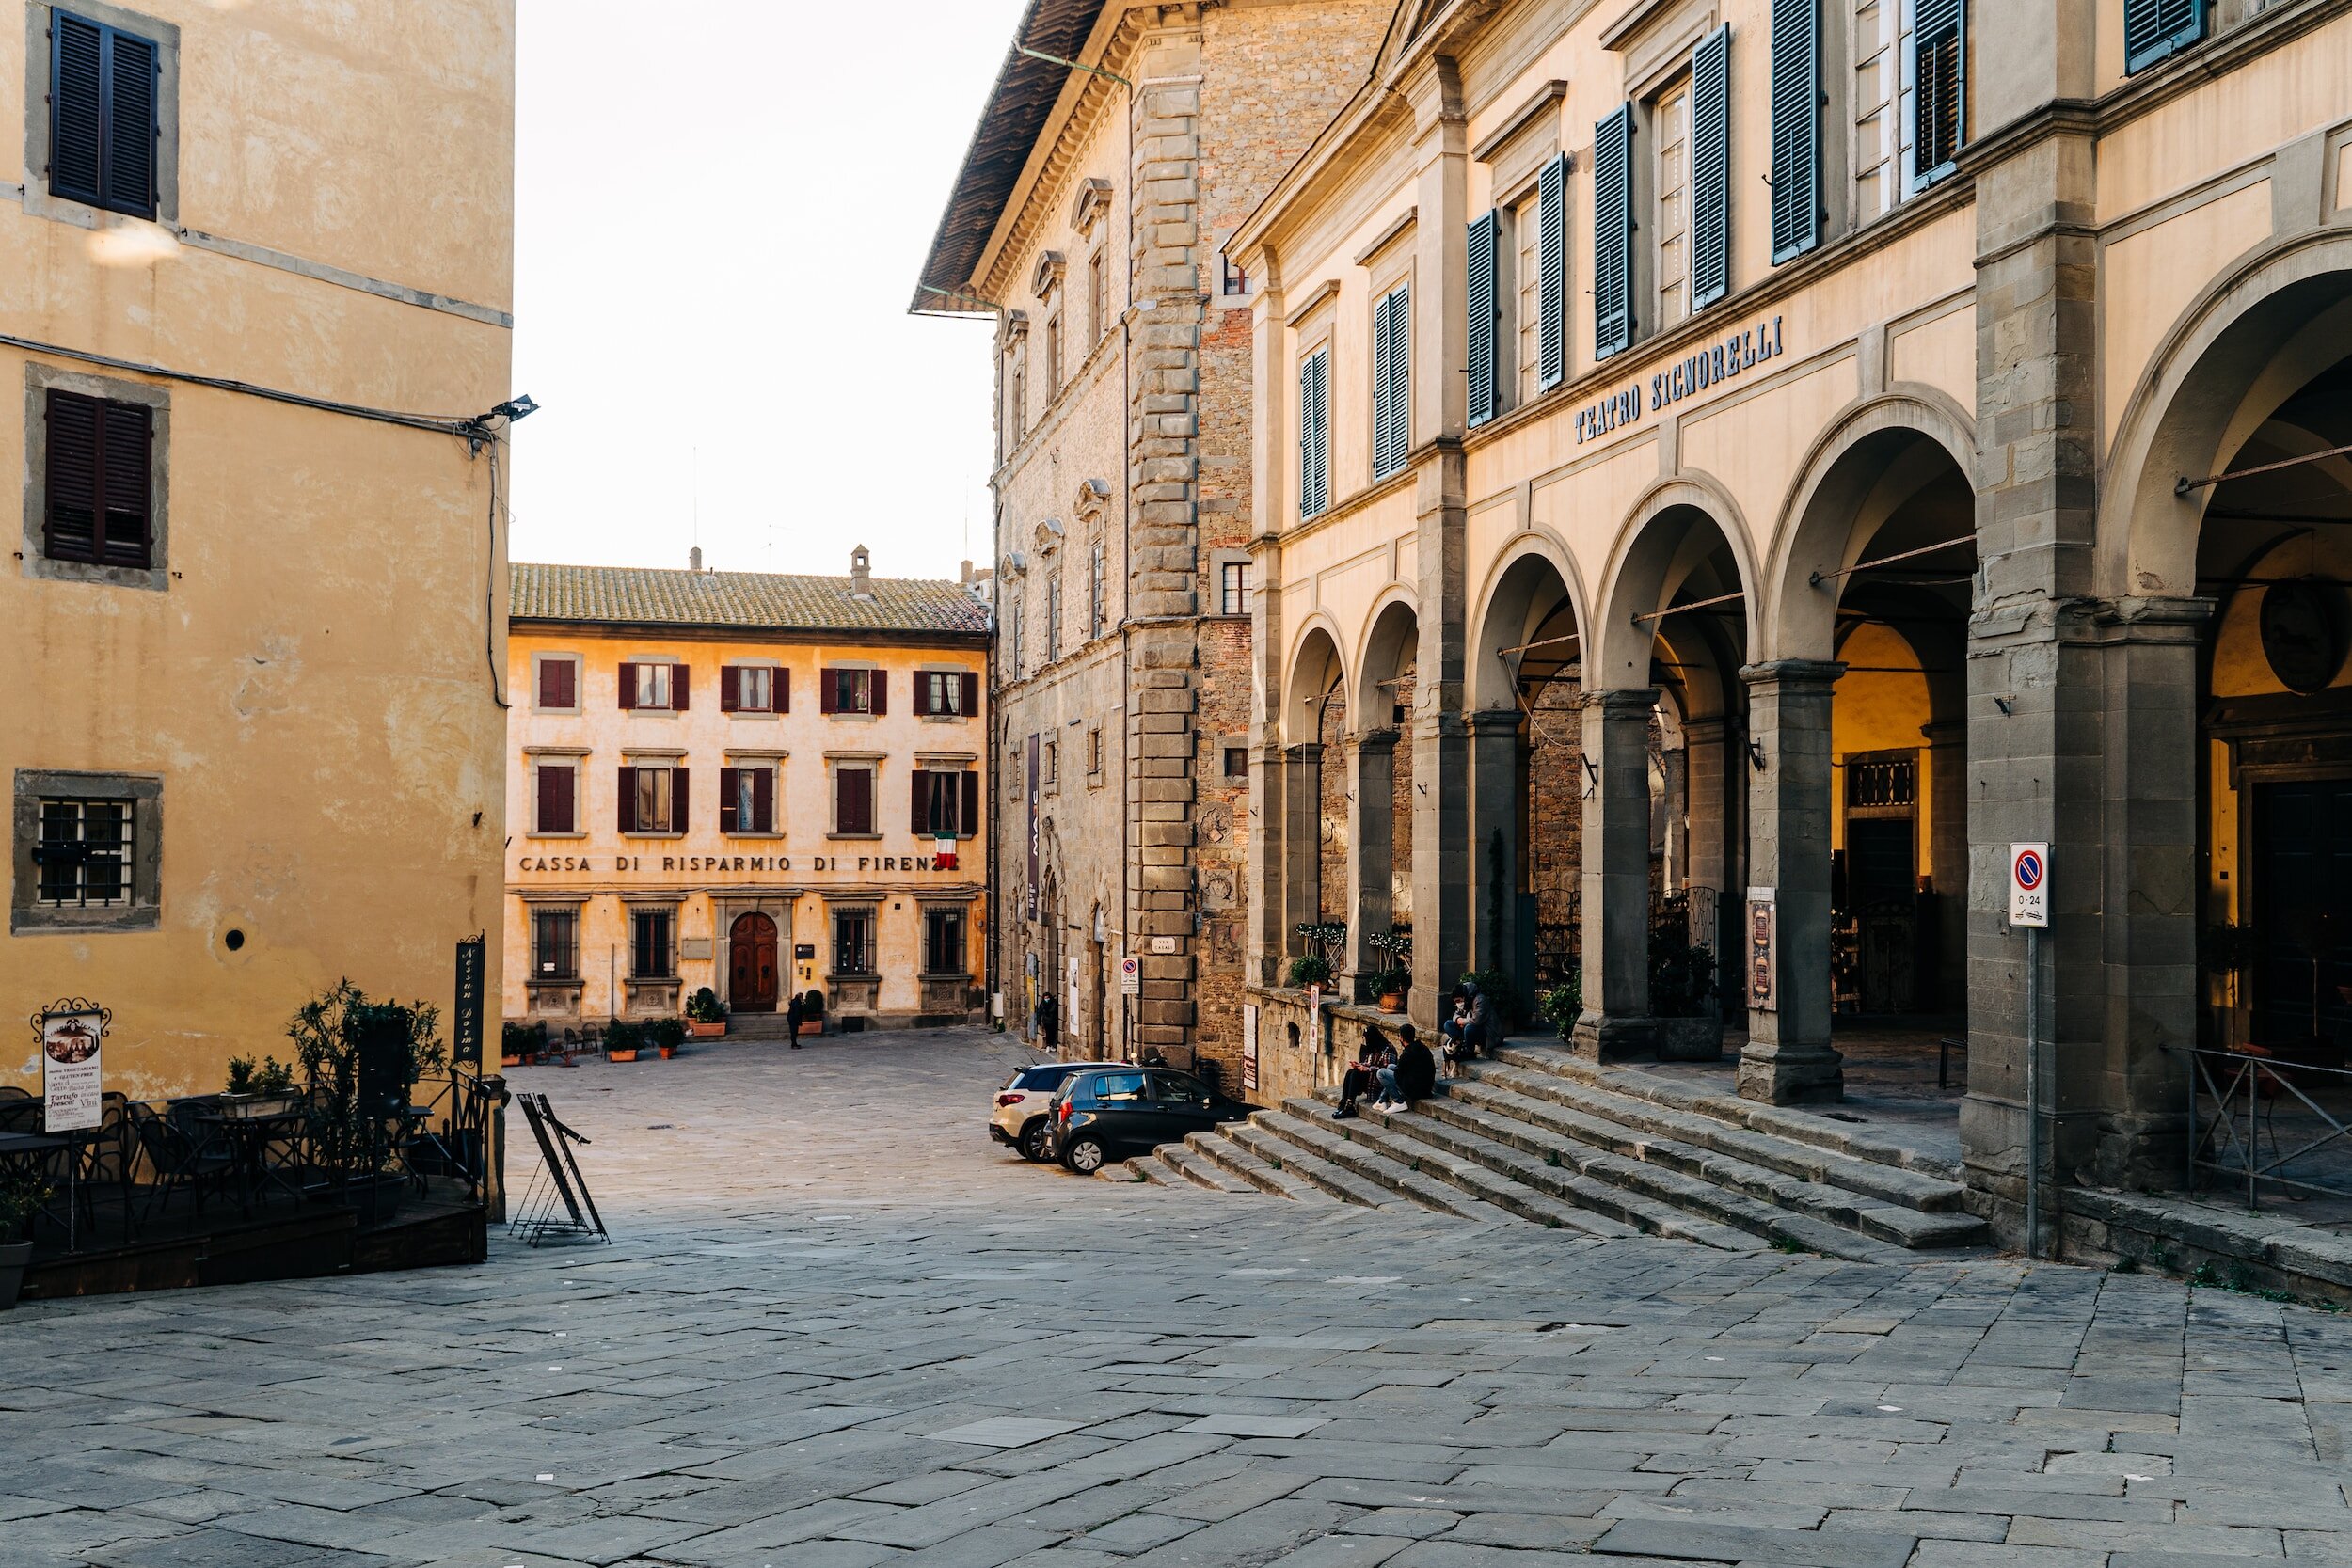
{"x": 752, "y": 975}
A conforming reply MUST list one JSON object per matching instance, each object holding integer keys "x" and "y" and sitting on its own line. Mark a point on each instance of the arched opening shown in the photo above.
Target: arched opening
{"x": 1384, "y": 799}
{"x": 1316, "y": 827}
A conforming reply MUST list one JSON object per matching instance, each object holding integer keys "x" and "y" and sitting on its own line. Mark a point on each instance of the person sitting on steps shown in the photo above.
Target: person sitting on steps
{"x": 1414, "y": 1076}
{"x": 1371, "y": 1058}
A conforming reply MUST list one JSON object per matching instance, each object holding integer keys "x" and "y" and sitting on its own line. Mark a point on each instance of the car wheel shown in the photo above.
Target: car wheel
{"x": 1085, "y": 1155}
{"x": 1036, "y": 1141}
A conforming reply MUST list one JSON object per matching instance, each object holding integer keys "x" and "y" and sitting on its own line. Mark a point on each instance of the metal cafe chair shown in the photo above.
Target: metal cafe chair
{"x": 178, "y": 1161}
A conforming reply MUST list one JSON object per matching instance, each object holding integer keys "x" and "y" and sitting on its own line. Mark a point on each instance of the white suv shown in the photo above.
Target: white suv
{"x": 1019, "y": 1115}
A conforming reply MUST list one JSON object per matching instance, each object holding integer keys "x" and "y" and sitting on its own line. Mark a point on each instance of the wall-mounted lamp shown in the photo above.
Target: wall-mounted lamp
{"x": 1756, "y": 754}
{"x": 1592, "y": 771}
{"x": 2004, "y": 705}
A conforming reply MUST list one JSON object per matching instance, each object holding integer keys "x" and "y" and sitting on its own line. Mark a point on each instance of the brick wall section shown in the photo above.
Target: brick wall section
{"x": 1555, "y": 809}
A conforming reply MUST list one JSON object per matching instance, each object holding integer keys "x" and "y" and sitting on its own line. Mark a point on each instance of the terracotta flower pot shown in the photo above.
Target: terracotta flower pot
{"x": 619, "y": 1055}
{"x": 667, "y": 1051}
{"x": 707, "y": 1030}
{"x": 1391, "y": 1001}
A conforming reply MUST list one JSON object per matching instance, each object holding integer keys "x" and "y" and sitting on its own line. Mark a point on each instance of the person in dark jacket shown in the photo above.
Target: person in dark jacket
{"x": 1413, "y": 1077}
{"x": 792, "y": 1019}
{"x": 1049, "y": 1023}
{"x": 1372, "y": 1058}
{"x": 1466, "y": 1032}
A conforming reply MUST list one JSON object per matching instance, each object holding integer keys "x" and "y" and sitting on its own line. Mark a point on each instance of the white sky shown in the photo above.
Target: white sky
{"x": 711, "y": 277}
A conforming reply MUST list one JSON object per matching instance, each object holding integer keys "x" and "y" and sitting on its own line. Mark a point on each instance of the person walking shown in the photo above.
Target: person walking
{"x": 792, "y": 1019}
{"x": 1049, "y": 1023}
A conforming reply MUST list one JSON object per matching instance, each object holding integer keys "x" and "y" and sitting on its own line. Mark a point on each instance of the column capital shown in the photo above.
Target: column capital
{"x": 1306, "y": 750}
{"x": 1493, "y": 720}
{"x": 1380, "y": 738}
{"x": 2154, "y": 618}
{"x": 1793, "y": 673}
{"x": 1630, "y": 701}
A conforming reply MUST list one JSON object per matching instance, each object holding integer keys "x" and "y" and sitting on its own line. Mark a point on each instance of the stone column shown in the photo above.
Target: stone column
{"x": 1674, "y": 806}
{"x": 1302, "y": 842}
{"x": 1789, "y": 1058}
{"x": 1371, "y": 847}
{"x": 1948, "y": 858}
{"x": 1616, "y": 1021}
{"x": 1703, "y": 768}
{"x": 1442, "y": 880}
{"x": 1269, "y": 824}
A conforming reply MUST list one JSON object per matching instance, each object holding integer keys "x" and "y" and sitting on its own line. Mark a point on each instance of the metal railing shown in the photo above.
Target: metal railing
{"x": 2237, "y": 1101}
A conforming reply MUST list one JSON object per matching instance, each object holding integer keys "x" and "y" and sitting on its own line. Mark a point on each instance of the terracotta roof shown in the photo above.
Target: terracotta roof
{"x": 767, "y": 601}
{"x": 1015, "y": 113}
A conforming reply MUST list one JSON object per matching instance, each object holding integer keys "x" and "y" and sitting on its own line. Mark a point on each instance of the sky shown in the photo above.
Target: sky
{"x": 712, "y": 269}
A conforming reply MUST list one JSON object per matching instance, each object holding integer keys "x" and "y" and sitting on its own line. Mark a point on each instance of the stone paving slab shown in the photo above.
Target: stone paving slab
{"x": 824, "y": 1338}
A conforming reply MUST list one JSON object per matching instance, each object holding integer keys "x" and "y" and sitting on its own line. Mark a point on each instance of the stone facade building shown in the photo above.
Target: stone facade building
{"x": 1788, "y": 441}
{"x": 1087, "y": 221}
{"x": 260, "y": 332}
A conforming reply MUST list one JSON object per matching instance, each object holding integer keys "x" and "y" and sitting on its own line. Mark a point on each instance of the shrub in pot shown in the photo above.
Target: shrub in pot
{"x": 1310, "y": 969}
{"x": 705, "y": 1015}
{"x": 622, "y": 1041}
{"x": 1388, "y": 985}
{"x": 666, "y": 1035}
{"x": 1562, "y": 1004}
{"x": 1682, "y": 988}
{"x": 22, "y": 1195}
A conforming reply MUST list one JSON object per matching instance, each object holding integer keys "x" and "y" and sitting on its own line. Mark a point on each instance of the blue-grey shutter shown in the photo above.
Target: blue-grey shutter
{"x": 1314, "y": 435}
{"x": 1486, "y": 317}
{"x": 1552, "y": 243}
{"x": 1796, "y": 127}
{"x": 2154, "y": 28}
{"x": 131, "y": 126}
{"x": 1937, "y": 107}
{"x": 1710, "y": 167}
{"x": 1612, "y": 234}
{"x": 77, "y": 113}
{"x": 1392, "y": 382}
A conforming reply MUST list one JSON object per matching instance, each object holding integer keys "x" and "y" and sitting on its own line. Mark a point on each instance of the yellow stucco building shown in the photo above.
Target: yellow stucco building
{"x": 767, "y": 784}
{"x": 255, "y": 664}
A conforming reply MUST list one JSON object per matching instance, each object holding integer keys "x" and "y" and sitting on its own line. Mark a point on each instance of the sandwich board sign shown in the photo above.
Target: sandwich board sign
{"x": 73, "y": 1082}
{"x": 2029, "y": 884}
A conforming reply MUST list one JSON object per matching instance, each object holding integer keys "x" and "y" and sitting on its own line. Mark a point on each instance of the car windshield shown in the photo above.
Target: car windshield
{"x": 1048, "y": 1076}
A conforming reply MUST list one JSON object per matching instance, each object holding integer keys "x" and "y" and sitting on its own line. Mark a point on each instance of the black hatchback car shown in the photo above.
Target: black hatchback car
{"x": 1103, "y": 1113}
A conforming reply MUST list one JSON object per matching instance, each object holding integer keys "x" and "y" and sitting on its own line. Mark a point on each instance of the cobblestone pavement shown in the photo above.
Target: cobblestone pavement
{"x": 840, "y": 1328}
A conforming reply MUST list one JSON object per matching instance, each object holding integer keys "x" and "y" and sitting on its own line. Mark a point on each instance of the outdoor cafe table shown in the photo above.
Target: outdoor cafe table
{"x": 249, "y": 1139}
{"x": 27, "y": 1152}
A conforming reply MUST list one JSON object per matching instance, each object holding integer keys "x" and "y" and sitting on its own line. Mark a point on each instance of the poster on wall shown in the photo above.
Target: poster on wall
{"x": 1314, "y": 1020}
{"x": 1032, "y": 889}
{"x": 466, "y": 1017}
{"x": 1761, "y": 912}
{"x": 73, "y": 1081}
{"x": 1249, "y": 1048}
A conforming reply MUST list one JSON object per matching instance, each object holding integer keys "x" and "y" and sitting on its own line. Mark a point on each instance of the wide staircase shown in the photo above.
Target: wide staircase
{"x": 1538, "y": 1136}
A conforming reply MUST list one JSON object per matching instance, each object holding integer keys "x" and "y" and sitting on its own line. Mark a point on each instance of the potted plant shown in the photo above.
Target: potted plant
{"x": 1310, "y": 969}
{"x": 1682, "y": 988}
{"x": 622, "y": 1041}
{"x": 705, "y": 1015}
{"x": 262, "y": 1090}
{"x": 1562, "y": 1004}
{"x": 519, "y": 1043}
{"x": 811, "y": 1012}
{"x": 667, "y": 1035}
{"x": 22, "y": 1195}
{"x": 354, "y": 1144}
{"x": 1394, "y": 976}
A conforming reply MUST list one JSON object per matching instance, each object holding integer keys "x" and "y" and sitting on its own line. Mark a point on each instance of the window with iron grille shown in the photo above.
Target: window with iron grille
{"x": 854, "y": 942}
{"x": 1234, "y": 592}
{"x": 943, "y": 942}
{"x": 651, "y": 955}
{"x": 555, "y": 943}
{"x": 85, "y": 853}
{"x": 1882, "y": 781}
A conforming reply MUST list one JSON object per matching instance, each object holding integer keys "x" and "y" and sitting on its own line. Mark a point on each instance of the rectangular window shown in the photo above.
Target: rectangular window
{"x": 852, "y": 690}
{"x": 1710, "y": 169}
{"x": 556, "y": 944}
{"x": 1670, "y": 121}
{"x": 747, "y": 799}
{"x": 1391, "y": 381}
{"x": 1053, "y": 620}
{"x": 1013, "y": 640}
{"x": 1017, "y": 394}
{"x": 2154, "y": 29}
{"x": 1612, "y": 234}
{"x": 1552, "y": 264}
{"x": 941, "y": 798}
{"x": 941, "y": 693}
{"x": 651, "y": 955}
{"x": 99, "y": 481}
{"x": 852, "y": 800}
{"x": 85, "y": 853}
{"x": 752, "y": 688}
{"x": 1934, "y": 69}
{"x": 943, "y": 942}
{"x": 1314, "y": 435}
{"x": 1094, "y": 750}
{"x": 1232, "y": 279}
{"x": 1098, "y": 295}
{"x": 105, "y": 86}
{"x": 854, "y": 942}
{"x": 652, "y": 799}
{"x": 1796, "y": 105}
{"x": 556, "y": 795}
{"x": 1483, "y": 294}
{"x": 1052, "y": 355}
{"x": 1097, "y": 589}
{"x": 1880, "y": 40}
{"x": 1525, "y": 351}
{"x": 559, "y": 683}
{"x": 1237, "y": 761}
{"x": 654, "y": 687}
{"x": 1053, "y": 760}
{"x": 1234, "y": 590}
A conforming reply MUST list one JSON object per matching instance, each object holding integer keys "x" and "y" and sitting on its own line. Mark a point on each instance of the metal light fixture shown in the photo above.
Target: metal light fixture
{"x": 515, "y": 408}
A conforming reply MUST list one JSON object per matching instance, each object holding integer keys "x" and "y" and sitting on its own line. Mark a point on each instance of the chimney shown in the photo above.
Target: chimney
{"x": 861, "y": 579}
{"x": 966, "y": 578}
{"x": 695, "y": 558}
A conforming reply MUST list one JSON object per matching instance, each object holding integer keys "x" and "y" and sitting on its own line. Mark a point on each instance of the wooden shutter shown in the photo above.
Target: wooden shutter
{"x": 125, "y": 434}
{"x": 968, "y": 818}
{"x": 730, "y": 779}
{"x": 76, "y": 108}
{"x": 1551, "y": 242}
{"x": 730, "y": 688}
{"x": 923, "y": 694}
{"x": 972, "y": 691}
{"x": 878, "y": 691}
{"x": 920, "y": 813}
{"x": 678, "y": 798}
{"x": 1710, "y": 168}
{"x": 1392, "y": 383}
{"x": 1486, "y": 317}
{"x": 2153, "y": 29}
{"x": 782, "y": 689}
{"x": 628, "y": 684}
{"x": 1612, "y": 234}
{"x": 1796, "y": 127}
{"x": 556, "y": 797}
{"x": 628, "y": 813}
{"x": 828, "y": 692}
{"x": 678, "y": 691}
{"x": 764, "y": 799}
{"x": 130, "y": 127}
{"x": 72, "y": 476}
{"x": 557, "y": 682}
{"x": 1936, "y": 61}
{"x": 854, "y": 801}
{"x": 1314, "y": 433}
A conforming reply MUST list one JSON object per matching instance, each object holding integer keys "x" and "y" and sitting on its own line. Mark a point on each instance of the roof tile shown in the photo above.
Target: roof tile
{"x": 762, "y": 601}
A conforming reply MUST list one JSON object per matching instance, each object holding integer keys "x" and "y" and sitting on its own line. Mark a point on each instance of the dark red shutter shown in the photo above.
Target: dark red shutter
{"x": 729, "y": 820}
{"x": 879, "y": 685}
{"x": 72, "y": 522}
{"x": 784, "y": 691}
{"x": 678, "y": 796}
{"x": 679, "y": 689}
{"x": 970, "y": 817}
{"x": 556, "y": 682}
{"x": 566, "y": 798}
{"x": 922, "y": 709}
{"x": 971, "y": 695}
{"x": 764, "y": 801}
{"x": 854, "y": 799}
{"x": 828, "y": 692}
{"x": 628, "y": 797}
{"x": 922, "y": 811}
{"x": 125, "y": 433}
{"x": 628, "y": 684}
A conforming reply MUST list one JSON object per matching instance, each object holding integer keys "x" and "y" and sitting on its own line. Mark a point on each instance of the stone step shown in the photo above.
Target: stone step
{"x": 1604, "y": 1208}
{"x": 1573, "y": 1112}
{"x": 1143, "y": 1168}
{"x": 1488, "y": 1171}
{"x": 1327, "y": 1141}
{"x": 1191, "y": 1165}
{"x": 1522, "y": 1126}
{"x": 1235, "y": 1161}
{"x": 1316, "y": 1172}
{"x": 1780, "y": 1122}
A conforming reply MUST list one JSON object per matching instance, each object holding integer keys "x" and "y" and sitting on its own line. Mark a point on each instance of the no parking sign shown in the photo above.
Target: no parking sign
{"x": 2029, "y": 884}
